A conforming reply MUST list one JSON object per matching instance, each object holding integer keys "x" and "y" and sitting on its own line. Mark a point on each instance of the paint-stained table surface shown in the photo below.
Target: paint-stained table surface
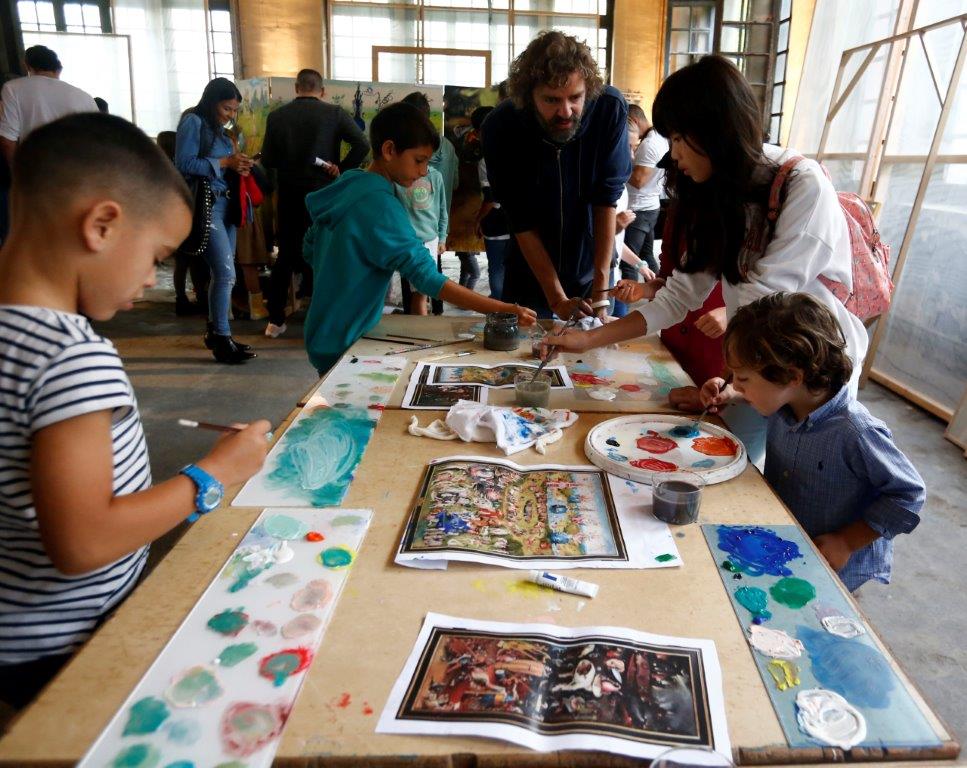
{"x": 380, "y": 614}
{"x": 382, "y": 608}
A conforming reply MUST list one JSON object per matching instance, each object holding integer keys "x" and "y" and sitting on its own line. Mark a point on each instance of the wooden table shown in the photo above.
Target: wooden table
{"x": 382, "y": 608}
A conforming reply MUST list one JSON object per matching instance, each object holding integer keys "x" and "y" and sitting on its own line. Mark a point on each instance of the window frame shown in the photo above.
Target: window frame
{"x": 60, "y": 19}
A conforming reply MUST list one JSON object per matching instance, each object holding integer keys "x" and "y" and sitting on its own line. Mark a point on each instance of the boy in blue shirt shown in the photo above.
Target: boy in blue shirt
{"x": 425, "y": 201}
{"x": 830, "y": 461}
{"x": 360, "y": 235}
{"x": 95, "y": 206}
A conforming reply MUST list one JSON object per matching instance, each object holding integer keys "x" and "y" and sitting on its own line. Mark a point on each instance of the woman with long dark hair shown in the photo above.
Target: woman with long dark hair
{"x": 719, "y": 187}
{"x": 204, "y": 148}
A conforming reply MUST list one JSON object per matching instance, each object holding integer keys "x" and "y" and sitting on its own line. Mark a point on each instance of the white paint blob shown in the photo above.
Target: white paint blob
{"x": 602, "y": 393}
{"x": 843, "y": 626}
{"x": 774, "y": 643}
{"x": 829, "y": 718}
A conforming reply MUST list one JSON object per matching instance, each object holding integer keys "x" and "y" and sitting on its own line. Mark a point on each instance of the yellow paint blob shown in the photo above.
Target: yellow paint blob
{"x": 527, "y": 589}
{"x": 785, "y": 673}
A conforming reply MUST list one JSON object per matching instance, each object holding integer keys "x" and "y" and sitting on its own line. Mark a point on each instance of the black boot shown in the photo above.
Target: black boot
{"x": 210, "y": 343}
{"x": 227, "y": 351}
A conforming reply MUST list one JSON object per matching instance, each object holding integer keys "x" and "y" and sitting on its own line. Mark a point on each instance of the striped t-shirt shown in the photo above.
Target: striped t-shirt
{"x": 54, "y": 367}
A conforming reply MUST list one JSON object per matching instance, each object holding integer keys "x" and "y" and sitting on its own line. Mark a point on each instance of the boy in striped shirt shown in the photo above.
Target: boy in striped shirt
{"x": 95, "y": 205}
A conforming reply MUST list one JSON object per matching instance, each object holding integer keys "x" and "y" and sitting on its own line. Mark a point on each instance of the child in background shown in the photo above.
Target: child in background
{"x": 425, "y": 202}
{"x": 95, "y": 206}
{"x": 360, "y": 235}
{"x": 830, "y": 461}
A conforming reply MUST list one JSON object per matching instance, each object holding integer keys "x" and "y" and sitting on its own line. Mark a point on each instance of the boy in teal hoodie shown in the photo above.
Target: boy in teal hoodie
{"x": 360, "y": 235}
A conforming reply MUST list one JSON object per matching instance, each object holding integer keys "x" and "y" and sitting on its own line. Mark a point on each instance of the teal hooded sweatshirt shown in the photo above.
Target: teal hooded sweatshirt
{"x": 360, "y": 235}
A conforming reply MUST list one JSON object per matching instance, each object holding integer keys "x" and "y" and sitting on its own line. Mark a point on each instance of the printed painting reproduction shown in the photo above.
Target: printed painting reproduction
{"x": 549, "y": 687}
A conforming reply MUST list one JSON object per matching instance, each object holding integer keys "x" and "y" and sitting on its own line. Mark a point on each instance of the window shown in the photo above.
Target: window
{"x": 86, "y": 18}
{"x": 754, "y": 34}
{"x": 221, "y": 41}
{"x": 504, "y": 27}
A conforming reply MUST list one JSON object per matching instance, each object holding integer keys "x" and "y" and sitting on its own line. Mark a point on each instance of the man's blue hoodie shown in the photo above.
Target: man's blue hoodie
{"x": 550, "y": 188}
{"x": 360, "y": 236}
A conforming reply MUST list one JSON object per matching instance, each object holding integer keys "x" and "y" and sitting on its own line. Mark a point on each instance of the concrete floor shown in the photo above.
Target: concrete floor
{"x": 922, "y": 615}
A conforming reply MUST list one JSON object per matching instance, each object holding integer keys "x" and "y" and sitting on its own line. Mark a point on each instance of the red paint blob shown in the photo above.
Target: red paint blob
{"x": 344, "y": 701}
{"x": 655, "y": 465}
{"x": 715, "y": 446}
{"x": 655, "y": 443}
{"x": 314, "y": 536}
{"x": 377, "y": 407}
{"x": 291, "y": 661}
{"x": 246, "y": 727}
{"x": 630, "y": 388}
{"x": 367, "y": 710}
{"x": 588, "y": 380}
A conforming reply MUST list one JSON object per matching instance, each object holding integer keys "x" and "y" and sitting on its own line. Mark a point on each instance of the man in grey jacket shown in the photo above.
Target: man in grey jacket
{"x": 302, "y": 142}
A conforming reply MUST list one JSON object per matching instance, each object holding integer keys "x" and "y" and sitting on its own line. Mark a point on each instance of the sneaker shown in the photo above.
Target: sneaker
{"x": 273, "y": 331}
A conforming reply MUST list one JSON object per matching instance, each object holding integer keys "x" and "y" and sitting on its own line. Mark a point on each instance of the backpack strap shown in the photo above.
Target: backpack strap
{"x": 775, "y": 193}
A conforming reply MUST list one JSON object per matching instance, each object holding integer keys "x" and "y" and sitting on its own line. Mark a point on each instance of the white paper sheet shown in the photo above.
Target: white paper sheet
{"x": 480, "y": 512}
{"x": 551, "y": 688}
{"x": 276, "y": 606}
{"x": 434, "y": 386}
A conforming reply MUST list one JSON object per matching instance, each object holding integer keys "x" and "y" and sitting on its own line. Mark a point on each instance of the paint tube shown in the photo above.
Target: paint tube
{"x": 563, "y": 583}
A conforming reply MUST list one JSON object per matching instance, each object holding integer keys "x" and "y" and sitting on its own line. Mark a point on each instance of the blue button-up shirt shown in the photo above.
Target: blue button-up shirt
{"x": 195, "y": 137}
{"x": 840, "y": 465}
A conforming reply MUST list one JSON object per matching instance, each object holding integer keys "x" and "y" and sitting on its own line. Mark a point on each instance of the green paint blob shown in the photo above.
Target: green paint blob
{"x": 336, "y": 558}
{"x": 195, "y": 688}
{"x": 792, "y": 592}
{"x": 285, "y": 527}
{"x": 753, "y": 600}
{"x": 229, "y": 622}
{"x": 730, "y": 566}
{"x": 146, "y": 716}
{"x": 665, "y": 558}
{"x": 137, "y": 756}
{"x": 233, "y": 654}
{"x": 388, "y": 378}
{"x": 341, "y": 520}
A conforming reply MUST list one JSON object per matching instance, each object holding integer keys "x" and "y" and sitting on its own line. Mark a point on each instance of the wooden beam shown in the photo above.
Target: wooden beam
{"x": 852, "y": 83}
{"x": 917, "y": 398}
{"x": 961, "y": 19}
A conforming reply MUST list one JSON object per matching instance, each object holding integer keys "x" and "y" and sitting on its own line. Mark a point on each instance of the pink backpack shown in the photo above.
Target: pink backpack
{"x": 872, "y": 286}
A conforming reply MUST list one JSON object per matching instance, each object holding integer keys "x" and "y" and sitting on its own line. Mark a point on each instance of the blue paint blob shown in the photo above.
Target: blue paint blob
{"x": 852, "y": 668}
{"x": 605, "y": 373}
{"x": 615, "y": 456}
{"x": 757, "y": 551}
{"x": 581, "y": 368}
{"x": 181, "y": 764}
{"x": 758, "y": 620}
{"x": 704, "y": 464}
{"x": 684, "y": 430}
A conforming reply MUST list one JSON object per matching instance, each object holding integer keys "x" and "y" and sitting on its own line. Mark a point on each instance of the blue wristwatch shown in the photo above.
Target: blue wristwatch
{"x": 210, "y": 491}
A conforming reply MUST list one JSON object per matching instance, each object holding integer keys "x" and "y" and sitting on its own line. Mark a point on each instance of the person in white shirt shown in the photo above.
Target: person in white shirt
{"x": 719, "y": 187}
{"x": 644, "y": 190}
{"x": 40, "y": 98}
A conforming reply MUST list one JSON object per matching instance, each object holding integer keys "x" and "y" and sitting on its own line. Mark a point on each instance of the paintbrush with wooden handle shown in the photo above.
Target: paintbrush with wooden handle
{"x": 703, "y": 414}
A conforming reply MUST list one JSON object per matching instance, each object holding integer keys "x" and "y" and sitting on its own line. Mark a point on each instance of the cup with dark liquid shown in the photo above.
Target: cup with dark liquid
{"x": 676, "y": 496}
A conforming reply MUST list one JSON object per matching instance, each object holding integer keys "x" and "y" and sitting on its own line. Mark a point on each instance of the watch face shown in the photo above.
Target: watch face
{"x": 212, "y": 497}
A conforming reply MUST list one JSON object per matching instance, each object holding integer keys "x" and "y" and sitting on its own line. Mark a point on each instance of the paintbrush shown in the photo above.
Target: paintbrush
{"x": 703, "y": 414}
{"x": 461, "y": 353}
{"x": 208, "y": 425}
{"x": 571, "y": 322}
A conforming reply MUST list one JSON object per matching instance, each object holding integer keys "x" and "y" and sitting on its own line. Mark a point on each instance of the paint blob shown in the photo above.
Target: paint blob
{"x": 774, "y": 643}
{"x": 615, "y": 456}
{"x": 652, "y": 442}
{"x": 181, "y": 764}
{"x": 285, "y": 527}
{"x": 146, "y": 716}
{"x": 320, "y": 453}
{"x": 602, "y": 393}
{"x": 228, "y": 622}
{"x": 312, "y": 596}
{"x": 185, "y": 733}
{"x": 195, "y": 687}
{"x": 344, "y": 701}
{"x": 234, "y": 654}
{"x": 655, "y": 465}
{"x": 704, "y": 464}
{"x": 757, "y": 551}
{"x": 754, "y": 600}
{"x": 842, "y": 626}
{"x": 665, "y": 558}
{"x": 282, "y": 580}
{"x": 822, "y": 610}
{"x": 137, "y": 756}
{"x": 314, "y": 536}
{"x": 684, "y": 430}
{"x": 829, "y": 718}
{"x": 612, "y": 441}
{"x": 588, "y": 380}
{"x": 386, "y": 378}
{"x": 630, "y": 388}
{"x": 792, "y": 592}
{"x": 246, "y": 728}
{"x": 277, "y": 667}
{"x": 336, "y": 558}
{"x": 350, "y": 520}
{"x": 265, "y": 628}
{"x": 729, "y": 566}
{"x": 715, "y": 446}
{"x": 301, "y": 625}
{"x": 850, "y": 667}
{"x": 785, "y": 674}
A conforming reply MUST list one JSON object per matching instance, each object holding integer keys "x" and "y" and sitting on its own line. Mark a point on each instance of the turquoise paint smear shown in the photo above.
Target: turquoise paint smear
{"x": 320, "y": 454}
{"x": 684, "y": 430}
{"x": 181, "y": 764}
{"x": 228, "y": 622}
{"x": 234, "y": 654}
{"x": 704, "y": 464}
{"x": 137, "y": 756}
{"x": 665, "y": 377}
{"x": 146, "y": 716}
{"x": 336, "y": 558}
{"x": 285, "y": 527}
{"x": 754, "y": 600}
{"x": 184, "y": 733}
{"x": 853, "y": 669}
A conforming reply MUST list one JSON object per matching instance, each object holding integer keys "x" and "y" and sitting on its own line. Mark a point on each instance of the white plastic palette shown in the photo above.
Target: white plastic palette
{"x": 636, "y": 447}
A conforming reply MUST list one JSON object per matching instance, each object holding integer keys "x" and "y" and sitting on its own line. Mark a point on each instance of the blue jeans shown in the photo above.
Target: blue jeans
{"x": 495, "y": 266}
{"x": 220, "y": 256}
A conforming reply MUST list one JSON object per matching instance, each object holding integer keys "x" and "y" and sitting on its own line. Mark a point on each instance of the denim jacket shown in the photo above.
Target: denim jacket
{"x": 193, "y": 135}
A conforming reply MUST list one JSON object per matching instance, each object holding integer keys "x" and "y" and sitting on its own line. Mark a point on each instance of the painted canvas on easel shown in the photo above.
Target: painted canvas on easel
{"x": 497, "y": 512}
{"x": 550, "y": 688}
{"x": 260, "y": 96}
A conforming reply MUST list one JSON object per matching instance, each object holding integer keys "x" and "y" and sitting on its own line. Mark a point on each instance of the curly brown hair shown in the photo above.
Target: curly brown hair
{"x": 549, "y": 60}
{"x": 777, "y": 333}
